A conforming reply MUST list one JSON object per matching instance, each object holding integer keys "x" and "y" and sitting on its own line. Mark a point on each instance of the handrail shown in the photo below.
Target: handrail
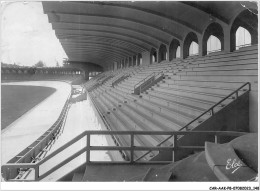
{"x": 50, "y": 135}
{"x": 120, "y": 79}
{"x": 13, "y": 167}
{"x": 143, "y": 80}
{"x": 211, "y": 109}
{"x": 151, "y": 78}
{"x": 151, "y": 81}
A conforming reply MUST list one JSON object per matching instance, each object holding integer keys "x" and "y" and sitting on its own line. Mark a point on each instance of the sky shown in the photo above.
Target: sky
{"x": 27, "y": 36}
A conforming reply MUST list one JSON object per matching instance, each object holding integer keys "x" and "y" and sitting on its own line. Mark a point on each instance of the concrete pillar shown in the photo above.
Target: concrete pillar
{"x": 157, "y": 55}
{"x": 115, "y": 66}
{"x": 131, "y": 61}
{"x": 181, "y": 52}
{"x": 227, "y": 45}
{"x": 168, "y": 53}
{"x": 86, "y": 75}
{"x": 200, "y": 42}
{"x": 146, "y": 59}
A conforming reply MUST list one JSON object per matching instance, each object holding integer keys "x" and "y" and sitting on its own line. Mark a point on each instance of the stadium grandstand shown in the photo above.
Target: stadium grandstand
{"x": 174, "y": 85}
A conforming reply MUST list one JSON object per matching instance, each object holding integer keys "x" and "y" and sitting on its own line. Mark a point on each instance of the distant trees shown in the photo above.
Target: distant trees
{"x": 39, "y": 64}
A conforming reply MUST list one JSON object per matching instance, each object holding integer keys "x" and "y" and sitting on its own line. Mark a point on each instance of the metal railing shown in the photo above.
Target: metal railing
{"x": 117, "y": 81}
{"x": 147, "y": 82}
{"x": 30, "y": 153}
{"x": 209, "y": 111}
{"x": 9, "y": 171}
{"x": 107, "y": 125}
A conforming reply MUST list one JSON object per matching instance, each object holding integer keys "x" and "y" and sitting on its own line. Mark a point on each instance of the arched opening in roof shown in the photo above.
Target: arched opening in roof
{"x": 153, "y": 56}
{"x": 178, "y": 52}
{"x": 247, "y": 21}
{"x": 162, "y": 53}
{"x": 194, "y": 49}
{"x": 190, "y": 45}
{"x": 213, "y": 39}
{"x": 174, "y": 50}
{"x": 213, "y": 44}
{"x": 243, "y": 38}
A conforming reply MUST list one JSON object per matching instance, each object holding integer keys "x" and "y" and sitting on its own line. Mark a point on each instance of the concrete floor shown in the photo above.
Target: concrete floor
{"x": 81, "y": 117}
{"x": 22, "y": 132}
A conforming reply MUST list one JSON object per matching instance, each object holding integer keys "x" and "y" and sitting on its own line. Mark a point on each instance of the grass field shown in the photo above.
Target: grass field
{"x": 17, "y": 100}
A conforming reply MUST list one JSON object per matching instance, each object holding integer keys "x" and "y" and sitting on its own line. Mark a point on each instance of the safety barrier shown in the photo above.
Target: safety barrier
{"x": 32, "y": 152}
{"x": 9, "y": 171}
{"x": 147, "y": 82}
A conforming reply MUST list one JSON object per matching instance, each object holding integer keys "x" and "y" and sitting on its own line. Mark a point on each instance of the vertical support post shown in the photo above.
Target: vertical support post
{"x": 212, "y": 111}
{"x": 236, "y": 94}
{"x": 175, "y": 147}
{"x": 36, "y": 175}
{"x": 216, "y": 139}
{"x": 132, "y": 148}
{"x": 88, "y": 149}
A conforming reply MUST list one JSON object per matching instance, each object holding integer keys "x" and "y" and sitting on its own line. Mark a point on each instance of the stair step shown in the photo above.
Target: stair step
{"x": 157, "y": 175}
{"x": 77, "y": 177}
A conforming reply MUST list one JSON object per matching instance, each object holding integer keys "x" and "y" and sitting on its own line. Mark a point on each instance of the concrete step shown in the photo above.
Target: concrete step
{"x": 250, "y": 61}
{"x": 219, "y": 78}
{"x": 199, "y": 88}
{"x": 148, "y": 122}
{"x": 165, "y": 111}
{"x": 157, "y": 175}
{"x": 248, "y": 72}
{"x": 191, "y": 93}
{"x": 197, "y": 103}
{"x": 77, "y": 177}
{"x": 208, "y": 84}
{"x": 159, "y": 117}
{"x": 185, "y": 108}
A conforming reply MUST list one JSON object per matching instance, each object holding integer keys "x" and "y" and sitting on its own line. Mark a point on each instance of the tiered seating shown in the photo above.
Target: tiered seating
{"x": 142, "y": 73}
{"x": 191, "y": 87}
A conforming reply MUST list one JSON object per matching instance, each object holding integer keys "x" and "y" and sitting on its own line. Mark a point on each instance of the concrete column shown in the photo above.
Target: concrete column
{"x": 168, "y": 53}
{"x": 86, "y": 75}
{"x": 131, "y": 61}
{"x": 200, "y": 42}
{"x": 157, "y": 55}
{"x": 146, "y": 58}
{"x": 115, "y": 65}
{"x": 181, "y": 47}
{"x": 227, "y": 46}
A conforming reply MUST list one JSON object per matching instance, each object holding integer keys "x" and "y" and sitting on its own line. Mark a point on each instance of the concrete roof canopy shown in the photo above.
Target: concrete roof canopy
{"x": 106, "y": 32}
